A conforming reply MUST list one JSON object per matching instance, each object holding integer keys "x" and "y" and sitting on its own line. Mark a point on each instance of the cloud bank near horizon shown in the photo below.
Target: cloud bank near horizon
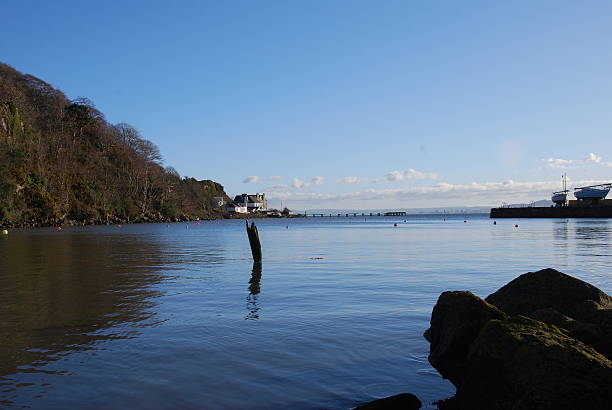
{"x": 475, "y": 192}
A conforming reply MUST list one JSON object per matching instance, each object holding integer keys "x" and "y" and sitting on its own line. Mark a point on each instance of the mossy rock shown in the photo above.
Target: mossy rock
{"x": 456, "y": 320}
{"x": 549, "y": 288}
{"x": 499, "y": 361}
{"x": 520, "y": 363}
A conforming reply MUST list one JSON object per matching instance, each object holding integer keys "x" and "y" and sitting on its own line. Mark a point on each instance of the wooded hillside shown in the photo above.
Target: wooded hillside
{"x": 61, "y": 161}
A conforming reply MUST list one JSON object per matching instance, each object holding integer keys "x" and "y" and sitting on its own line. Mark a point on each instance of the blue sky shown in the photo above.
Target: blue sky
{"x": 342, "y": 104}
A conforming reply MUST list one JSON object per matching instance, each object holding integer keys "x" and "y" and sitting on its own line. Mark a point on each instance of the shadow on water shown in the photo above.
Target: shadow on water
{"x": 60, "y": 295}
{"x": 254, "y": 289}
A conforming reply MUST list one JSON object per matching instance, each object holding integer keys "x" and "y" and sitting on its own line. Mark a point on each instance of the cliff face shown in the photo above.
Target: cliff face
{"x": 61, "y": 160}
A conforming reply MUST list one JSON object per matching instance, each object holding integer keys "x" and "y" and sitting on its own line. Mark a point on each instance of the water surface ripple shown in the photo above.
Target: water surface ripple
{"x": 163, "y": 316}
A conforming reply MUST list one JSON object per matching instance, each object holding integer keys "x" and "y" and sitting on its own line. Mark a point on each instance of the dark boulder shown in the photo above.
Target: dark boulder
{"x": 591, "y": 334}
{"x": 563, "y": 301}
{"x": 549, "y": 288}
{"x": 521, "y": 363}
{"x": 456, "y": 320}
{"x": 503, "y": 360}
{"x": 404, "y": 401}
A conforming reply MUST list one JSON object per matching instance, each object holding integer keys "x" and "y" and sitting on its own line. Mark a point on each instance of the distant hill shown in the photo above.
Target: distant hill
{"x": 61, "y": 161}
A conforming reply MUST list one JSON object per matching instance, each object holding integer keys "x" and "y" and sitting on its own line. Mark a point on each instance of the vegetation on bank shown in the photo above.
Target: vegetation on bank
{"x": 61, "y": 161}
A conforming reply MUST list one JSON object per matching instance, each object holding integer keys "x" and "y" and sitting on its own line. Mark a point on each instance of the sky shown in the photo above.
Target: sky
{"x": 342, "y": 104}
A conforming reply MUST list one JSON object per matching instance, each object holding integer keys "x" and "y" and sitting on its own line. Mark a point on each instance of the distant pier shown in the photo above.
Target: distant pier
{"x": 354, "y": 214}
{"x": 395, "y": 213}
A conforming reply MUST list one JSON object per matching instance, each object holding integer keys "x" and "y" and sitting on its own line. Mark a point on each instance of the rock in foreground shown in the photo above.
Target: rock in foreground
{"x": 549, "y": 288}
{"x": 499, "y": 359}
{"x": 404, "y": 401}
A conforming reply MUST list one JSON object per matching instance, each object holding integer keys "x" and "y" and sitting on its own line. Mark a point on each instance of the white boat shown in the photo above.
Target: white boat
{"x": 560, "y": 197}
{"x": 593, "y": 191}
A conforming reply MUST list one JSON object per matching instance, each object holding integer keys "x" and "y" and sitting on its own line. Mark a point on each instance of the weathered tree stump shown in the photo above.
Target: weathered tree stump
{"x": 254, "y": 286}
{"x": 254, "y": 241}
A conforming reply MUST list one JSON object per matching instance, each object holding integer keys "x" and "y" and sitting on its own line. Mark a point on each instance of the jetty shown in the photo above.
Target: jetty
{"x": 553, "y": 212}
{"x": 590, "y": 202}
{"x": 355, "y": 214}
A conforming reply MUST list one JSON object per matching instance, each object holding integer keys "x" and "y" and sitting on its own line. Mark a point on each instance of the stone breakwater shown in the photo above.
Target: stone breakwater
{"x": 542, "y": 341}
{"x": 553, "y": 212}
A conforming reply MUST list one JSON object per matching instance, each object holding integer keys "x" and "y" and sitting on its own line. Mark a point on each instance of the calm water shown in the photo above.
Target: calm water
{"x": 159, "y": 317}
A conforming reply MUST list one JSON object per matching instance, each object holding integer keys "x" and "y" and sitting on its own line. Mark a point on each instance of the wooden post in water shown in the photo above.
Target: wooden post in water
{"x": 254, "y": 241}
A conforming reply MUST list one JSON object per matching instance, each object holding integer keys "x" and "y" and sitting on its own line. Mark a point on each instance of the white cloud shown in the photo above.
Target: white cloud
{"x": 348, "y": 180}
{"x": 254, "y": 178}
{"x": 592, "y": 158}
{"x": 558, "y": 162}
{"x": 410, "y": 173}
{"x": 276, "y": 178}
{"x": 394, "y": 176}
{"x": 317, "y": 180}
{"x": 475, "y": 192}
{"x": 299, "y": 184}
{"x": 279, "y": 188}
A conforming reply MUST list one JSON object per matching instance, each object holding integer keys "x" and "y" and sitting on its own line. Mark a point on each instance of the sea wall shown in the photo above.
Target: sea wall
{"x": 553, "y": 212}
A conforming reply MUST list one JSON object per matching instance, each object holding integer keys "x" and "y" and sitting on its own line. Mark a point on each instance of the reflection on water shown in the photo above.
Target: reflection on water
{"x": 66, "y": 293}
{"x": 153, "y": 316}
{"x": 560, "y": 231}
{"x": 588, "y": 231}
{"x": 254, "y": 289}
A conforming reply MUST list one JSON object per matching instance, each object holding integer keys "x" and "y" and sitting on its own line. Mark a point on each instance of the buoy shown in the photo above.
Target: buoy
{"x": 59, "y": 228}
{"x": 464, "y": 222}
{"x": 5, "y": 232}
{"x": 494, "y": 222}
{"x": 516, "y": 226}
{"x": 394, "y": 224}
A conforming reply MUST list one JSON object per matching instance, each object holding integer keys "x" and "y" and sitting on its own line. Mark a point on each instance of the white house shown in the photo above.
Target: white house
{"x": 253, "y": 203}
{"x": 236, "y": 209}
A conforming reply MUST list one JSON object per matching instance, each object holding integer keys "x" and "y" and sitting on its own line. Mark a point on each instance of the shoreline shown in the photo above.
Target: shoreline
{"x": 131, "y": 221}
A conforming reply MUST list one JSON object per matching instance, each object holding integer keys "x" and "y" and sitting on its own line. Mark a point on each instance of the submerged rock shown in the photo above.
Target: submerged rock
{"x": 404, "y": 401}
{"x": 499, "y": 359}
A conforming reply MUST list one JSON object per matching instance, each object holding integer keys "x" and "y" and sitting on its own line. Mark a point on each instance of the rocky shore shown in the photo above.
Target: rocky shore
{"x": 542, "y": 341}
{"x": 150, "y": 218}
{"x": 111, "y": 220}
